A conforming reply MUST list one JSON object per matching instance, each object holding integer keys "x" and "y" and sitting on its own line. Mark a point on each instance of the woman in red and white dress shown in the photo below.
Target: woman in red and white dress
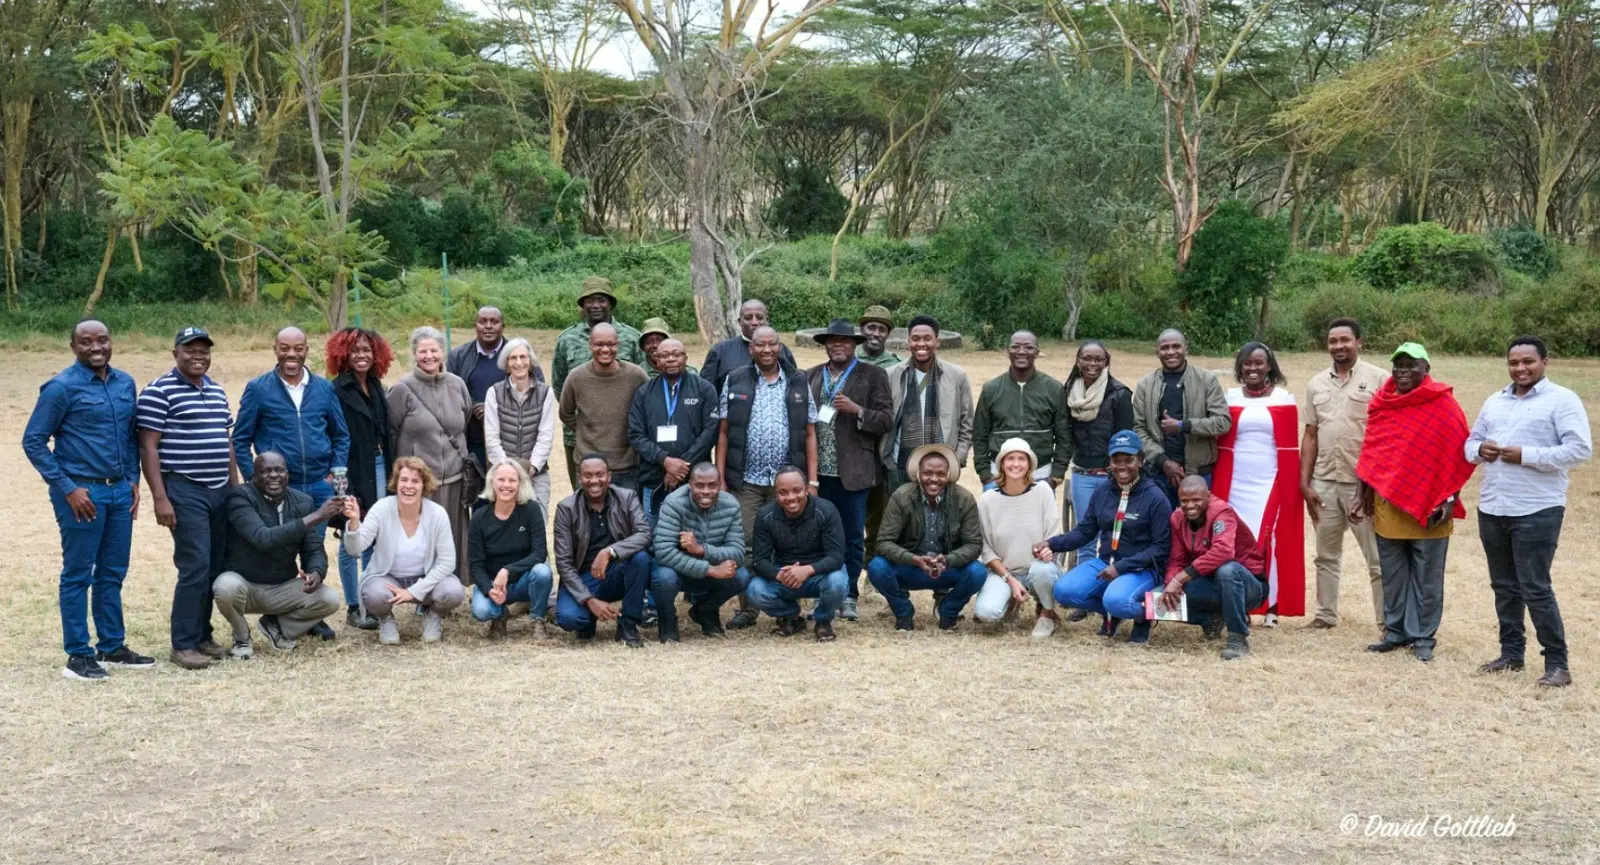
{"x": 1258, "y": 473}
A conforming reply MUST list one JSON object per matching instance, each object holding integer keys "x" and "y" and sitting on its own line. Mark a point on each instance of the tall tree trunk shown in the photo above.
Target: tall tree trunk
{"x": 18, "y": 114}
{"x": 699, "y": 162}
{"x": 561, "y": 102}
{"x": 105, "y": 267}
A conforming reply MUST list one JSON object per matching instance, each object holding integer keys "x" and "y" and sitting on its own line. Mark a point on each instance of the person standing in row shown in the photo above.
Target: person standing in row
{"x": 1412, "y": 468}
{"x": 672, "y": 424}
{"x": 767, "y": 420}
{"x": 1023, "y": 403}
{"x": 1527, "y": 437}
{"x": 478, "y": 364}
{"x": 357, "y": 361}
{"x": 735, "y": 351}
{"x": 1097, "y": 406}
{"x": 876, "y": 324}
{"x": 932, "y": 404}
{"x": 519, "y": 418}
{"x": 87, "y": 410}
{"x": 598, "y": 303}
{"x": 294, "y": 412}
{"x": 853, "y": 413}
{"x": 183, "y": 421}
{"x": 595, "y": 402}
{"x": 1179, "y": 412}
{"x": 429, "y": 411}
{"x": 651, "y": 336}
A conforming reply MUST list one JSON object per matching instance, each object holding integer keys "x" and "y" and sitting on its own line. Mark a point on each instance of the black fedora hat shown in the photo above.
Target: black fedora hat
{"x": 840, "y": 327}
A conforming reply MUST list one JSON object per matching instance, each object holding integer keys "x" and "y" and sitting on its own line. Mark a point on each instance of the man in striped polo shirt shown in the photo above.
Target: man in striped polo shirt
{"x": 184, "y": 422}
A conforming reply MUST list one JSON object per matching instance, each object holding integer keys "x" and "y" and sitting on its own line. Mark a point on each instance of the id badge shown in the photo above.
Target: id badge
{"x": 667, "y": 434}
{"x": 826, "y": 414}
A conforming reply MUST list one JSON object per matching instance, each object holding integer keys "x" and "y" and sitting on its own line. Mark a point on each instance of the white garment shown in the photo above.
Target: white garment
{"x": 410, "y": 556}
{"x": 297, "y": 392}
{"x": 541, "y": 445}
{"x": 1255, "y": 463}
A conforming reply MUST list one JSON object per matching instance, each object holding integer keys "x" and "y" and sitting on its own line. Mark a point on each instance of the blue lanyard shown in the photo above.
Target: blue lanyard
{"x": 671, "y": 397}
{"x": 829, "y": 391}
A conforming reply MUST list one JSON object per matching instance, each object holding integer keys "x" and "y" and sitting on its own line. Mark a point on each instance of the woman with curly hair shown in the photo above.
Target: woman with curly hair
{"x": 358, "y": 359}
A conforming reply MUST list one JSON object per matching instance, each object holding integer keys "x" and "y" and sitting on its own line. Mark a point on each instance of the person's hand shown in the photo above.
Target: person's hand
{"x": 676, "y": 469}
{"x": 133, "y": 509}
{"x": 1442, "y": 513}
{"x": 1511, "y": 454}
{"x": 1358, "y": 510}
{"x": 398, "y": 595}
{"x": 1110, "y": 573}
{"x": 329, "y": 508}
{"x": 923, "y": 563}
{"x": 724, "y": 571}
{"x": 688, "y": 543}
{"x": 1171, "y": 594}
{"x": 601, "y": 562}
{"x": 477, "y": 413}
{"x": 352, "y": 512}
{"x": 1019, "y": 592}
{"x": 812, "y": 489}
{"x": 1170, "y": 425}
{"x": 166, "y": 515}
{"x": 312, "y": 580}
{"x": 845, "y": 405}
{"x": 1313, "y": 503}
{"x": 1489, "y": 451}
{"x": 1042, "y": 551}
{"x": 939, "y": 564}
{"x": 790, "y": 575}
{"x": 497, "y": 591}
{"x": 601, "y": 610}
{"x": 83, "y": 510}
{"x": 1174, "y": 472}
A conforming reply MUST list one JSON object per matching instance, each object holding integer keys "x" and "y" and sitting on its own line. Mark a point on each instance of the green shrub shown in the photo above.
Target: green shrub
{"x": 1526, "y": 251}
{"x": 1563, "y": 312}
{"x": 1428, "y": 255}
{"x": 1231, "y": 268}
{"x": 809, "y": 204}
{"x": 1354, "y": 300}
{"x": 1303, "y": 272}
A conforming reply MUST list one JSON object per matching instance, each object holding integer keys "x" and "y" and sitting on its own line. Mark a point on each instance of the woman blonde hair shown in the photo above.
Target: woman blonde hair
{"x": 430, "y": 483}
{"x": 524, "y": 483}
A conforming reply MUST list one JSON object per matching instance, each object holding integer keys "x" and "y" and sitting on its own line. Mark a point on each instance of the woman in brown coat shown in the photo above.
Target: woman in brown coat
{"x": 429, "y": 410}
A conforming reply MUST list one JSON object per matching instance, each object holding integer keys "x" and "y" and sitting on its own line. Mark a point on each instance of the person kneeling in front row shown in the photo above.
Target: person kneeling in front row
{"x": 1131, "y": 519}
{"x": 930, "y": 539}
{"x": 269, "y": 525}
{"x": 602, "y": 555}
{"x": 1216, "y": 562}
{"x": 797, "y": 551}
{"x": 413, "y": 552}
{"x": 699, "y": 547}
{"x": 1017, "y": 516}
{"x": 506, "y": 551}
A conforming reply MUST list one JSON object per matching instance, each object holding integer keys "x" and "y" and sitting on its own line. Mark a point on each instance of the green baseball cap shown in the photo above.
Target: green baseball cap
{"x": 1411, "y": 349}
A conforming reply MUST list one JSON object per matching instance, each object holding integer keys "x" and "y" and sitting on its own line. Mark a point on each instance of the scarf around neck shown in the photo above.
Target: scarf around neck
{"x": 1083, "y": 402}
{"x": 1412, "y": 454}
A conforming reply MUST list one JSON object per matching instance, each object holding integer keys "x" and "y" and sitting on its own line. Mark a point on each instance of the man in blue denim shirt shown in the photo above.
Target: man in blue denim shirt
{"x": 93, "y": 473}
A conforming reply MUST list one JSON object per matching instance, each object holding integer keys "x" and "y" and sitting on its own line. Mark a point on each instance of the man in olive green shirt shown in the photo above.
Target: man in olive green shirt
{"x": 598, "y": 302}
{"x": 1022, "y": 403}
{"x": 876, "y": 324}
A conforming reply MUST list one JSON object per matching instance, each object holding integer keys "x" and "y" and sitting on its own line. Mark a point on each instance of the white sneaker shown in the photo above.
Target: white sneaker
{"x": 1270, "y": 620}
{"x": 242, "y": 650}
{"x": 389, "y": 631}
{"x": 432, "y": 627}
{"x": 1044, "y": 627}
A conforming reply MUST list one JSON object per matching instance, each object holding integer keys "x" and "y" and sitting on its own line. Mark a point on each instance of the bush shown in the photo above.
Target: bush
{"x": 1526, "y": 251}
{"x": 1428, "y": 255}
{"x": 1303, "y": 272}
{"x": 809, "y": 204}
{"x": 1563, "y": 312}
{"x": 1231, "y": 268}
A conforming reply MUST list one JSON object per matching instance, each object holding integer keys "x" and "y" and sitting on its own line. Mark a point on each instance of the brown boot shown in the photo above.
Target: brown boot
{"x": 189, "y": 659}
{"x": 212, "y": 649}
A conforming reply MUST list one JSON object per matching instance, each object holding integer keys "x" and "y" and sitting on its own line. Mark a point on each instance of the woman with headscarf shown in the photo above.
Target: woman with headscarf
{"x": 519, "y": 417}
{"x": 429, "y": 411}
{"x": 358, "y": 360}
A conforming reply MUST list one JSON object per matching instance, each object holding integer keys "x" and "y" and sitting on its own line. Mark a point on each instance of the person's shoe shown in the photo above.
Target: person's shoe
{"x": 651, "y": 618}
{"x": 824, "y": 632}
{"x": 788, "y": 626}
{"x": 126, "y": 658}
{"x": 1077, "y": 615}
{"x": 541, "y": 632}
{"x": 905, "y": 623}
{"x": 1318, "y": 625}
{"x": 669, "y": 635}
{"x": 586, "y": 633}
{"x": 1238, "y": 647}
{"x": 1502, "y": 664}
{"x": 1213, "y": 627}
{"x": 84, "y": 668}
{"x": 497, "y": 629}
{"x": 848, "y": 610}
{"x": 242, "y": 650}
{"x": 189, "y": 659}
{"x": 742, "y": 619}
{"x": 388, "y": 631}
{"x": 355, "y": 618}
{"x": 1270, "y": 620}
{"x": 1109, "y": 626}
{"x": 1556, "y": 678}
{"x": 628, "y": 634}
{"x": 212, "y": 650}
{"x": 433, "y": 627}
{"x": 709, "y": 620}
{"x": 1386, "y": 646}
{"x": 948, "y": 623}
{"x": 1044, "y": 627}
{"x": 274, "y": 633}
{"x": 807, "y": 610}
{"x": 322, "y": 630}
{"x": 1422, "y": 653}
{"x": 1141, "y": 632}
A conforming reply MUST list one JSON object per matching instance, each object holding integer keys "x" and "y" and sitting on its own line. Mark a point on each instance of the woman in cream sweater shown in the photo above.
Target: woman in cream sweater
{"x": 1016, "y": 516}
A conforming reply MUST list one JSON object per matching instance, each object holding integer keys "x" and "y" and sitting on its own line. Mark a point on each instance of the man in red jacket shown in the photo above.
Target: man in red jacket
{"x": 1215, "y": 561}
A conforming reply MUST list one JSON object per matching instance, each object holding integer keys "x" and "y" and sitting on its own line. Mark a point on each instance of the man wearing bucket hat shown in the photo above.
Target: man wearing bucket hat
{"x": 876, "y": 325}
{"x": 1018, "y": 514}
{"x": 652, "y": 335}
{"x": 1131, "y": 519}
{"x": 930, "y": 540}
{"x": 597, "y": 302}
{"x": 853, "y": 412}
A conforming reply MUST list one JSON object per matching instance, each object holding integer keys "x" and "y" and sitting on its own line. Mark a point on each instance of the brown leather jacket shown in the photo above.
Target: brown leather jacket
{"x": 628, "y": 527}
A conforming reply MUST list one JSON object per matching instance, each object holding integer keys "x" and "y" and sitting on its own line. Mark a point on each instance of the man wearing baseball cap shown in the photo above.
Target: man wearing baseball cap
{"x": 597, "y": 302}
{"x": 184, "y": 446}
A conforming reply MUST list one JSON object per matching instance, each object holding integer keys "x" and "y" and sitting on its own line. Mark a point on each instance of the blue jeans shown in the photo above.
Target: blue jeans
{"x": 1231, "y": 590}
{"x": 349, "y": 580}
{"x": 1083, "y": 486}
{"x": 708, "y": 592}
{"x": 94, "y": 553}
{"x": 852, "y": 507}
{"x": 198, "y": 544}
{"x": 1121, "y": 598}
{"x": 625, "y": 581}
{"x": 532, "y": 588}
{"x": 896, "y": 582}
{"x": 776, "y": 599}
{"x": 319, "y": 491}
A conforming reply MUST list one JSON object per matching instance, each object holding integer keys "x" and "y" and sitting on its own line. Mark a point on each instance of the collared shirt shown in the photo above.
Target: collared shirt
{"x": 768, "y": 439}
{"x": 91, "y": 422}
{"x": 297, "y": 392}
{"x": 933, "y": 541}
{"x": 1550, "y": 425}
{"x": 1338, "y": 409}
{"x": 600, "y": 536}
{"x": 485, "y": 374}
{"x": 194, "y": 423}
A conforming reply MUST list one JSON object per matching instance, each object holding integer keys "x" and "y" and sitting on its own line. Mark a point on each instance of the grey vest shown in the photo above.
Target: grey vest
{"x": 519, "y": 419}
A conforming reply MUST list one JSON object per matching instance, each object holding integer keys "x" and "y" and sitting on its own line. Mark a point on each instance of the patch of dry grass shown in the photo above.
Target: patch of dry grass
{"x": 981, "y": 746}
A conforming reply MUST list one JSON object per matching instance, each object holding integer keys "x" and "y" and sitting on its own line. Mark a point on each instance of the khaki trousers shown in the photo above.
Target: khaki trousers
{"x": 1332, "y": 521}
{"x": 296, "y": 611}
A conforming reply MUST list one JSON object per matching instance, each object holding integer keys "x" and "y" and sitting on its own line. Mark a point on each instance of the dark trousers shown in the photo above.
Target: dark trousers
{"x": 198, "y": 544}
{"x": 1413, "y": 589}
{"x": 708, "y": 593}
{"x": 1520, "y": 550}
{"x": 625, "y": 581}
{"x": 94, "y": 556}
{"x": 852, "y": 508}
{"x": 1230, "y": 590}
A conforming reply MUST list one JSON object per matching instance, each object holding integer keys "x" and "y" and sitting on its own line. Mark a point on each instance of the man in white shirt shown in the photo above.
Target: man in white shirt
{"x": 1527, "y": 436}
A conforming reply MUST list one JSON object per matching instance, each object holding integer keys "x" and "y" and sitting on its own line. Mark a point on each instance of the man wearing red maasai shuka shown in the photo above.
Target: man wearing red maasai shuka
{"x": 1412, "y": 469}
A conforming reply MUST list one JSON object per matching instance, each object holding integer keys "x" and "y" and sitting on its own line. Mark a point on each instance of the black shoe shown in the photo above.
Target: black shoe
{"x": 948, "y": 623}
{"x": 1213, "y": 627}
{"x": 1109, "y": 626}
{"x": 1502, "y": 664}
{"x": 788, "y": 626}
{"x": 586, "y": 633}
{"x": 669, "y": 635}
{"x": 322, "y": 630}
{"x": 1078, "y": 615}
{"x": 1384, "y": 647}
{"x": 125, "y": 658}
{"x": 651, "y": 618}
{"x": 1141, "y": 631}
{"x": 363, "y": 621}
{"x": 709, "y": 620}
{"x": 742, "y": 619}
{"x": 1238, "y": 647}
{"x": 628, "y": 634}
{"x": 1422, "y": 653}
{"x": 83, "y": 667}
{"x": 905, "y": 623}
{"x": 274, "y": 633}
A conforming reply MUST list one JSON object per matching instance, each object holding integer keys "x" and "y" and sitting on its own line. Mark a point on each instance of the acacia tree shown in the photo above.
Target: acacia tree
{"x": 560, "y": 40}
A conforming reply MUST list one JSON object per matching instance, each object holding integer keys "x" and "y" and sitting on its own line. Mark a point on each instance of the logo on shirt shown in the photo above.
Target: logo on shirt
{"x": 691, "y": 400}
{"x": 1218, "y": 527}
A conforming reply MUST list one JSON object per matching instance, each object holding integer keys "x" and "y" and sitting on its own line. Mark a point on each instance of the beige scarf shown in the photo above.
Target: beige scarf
{"x": 1085, "y": 402}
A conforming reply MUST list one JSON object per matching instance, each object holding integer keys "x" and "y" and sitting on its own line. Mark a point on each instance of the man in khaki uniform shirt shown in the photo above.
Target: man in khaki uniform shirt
{"x": 1335, "y": 416}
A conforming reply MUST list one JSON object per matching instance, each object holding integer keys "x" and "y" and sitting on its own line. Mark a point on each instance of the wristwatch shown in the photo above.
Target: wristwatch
{"x": 813, "y": 483}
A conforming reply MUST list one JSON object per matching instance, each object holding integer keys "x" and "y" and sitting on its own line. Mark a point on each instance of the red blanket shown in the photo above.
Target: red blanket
{"x": 1412, "y": 454}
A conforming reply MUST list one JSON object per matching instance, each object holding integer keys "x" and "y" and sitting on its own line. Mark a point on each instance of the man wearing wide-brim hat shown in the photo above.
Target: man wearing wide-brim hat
{"x": 853, "y": 412}
{"x": 597, "y": 301}
{"x": 651, "y": 335}
{"x": 930, "y": 539}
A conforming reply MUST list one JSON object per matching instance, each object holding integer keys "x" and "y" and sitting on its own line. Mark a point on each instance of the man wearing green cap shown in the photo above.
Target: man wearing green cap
{"x": 651, "y": 335}
{"x": 597, "y": 302}
{"x": 876, "y": 323}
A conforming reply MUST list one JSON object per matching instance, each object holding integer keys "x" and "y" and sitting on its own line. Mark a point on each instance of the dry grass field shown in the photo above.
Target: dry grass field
{"x": 978, "y": 746}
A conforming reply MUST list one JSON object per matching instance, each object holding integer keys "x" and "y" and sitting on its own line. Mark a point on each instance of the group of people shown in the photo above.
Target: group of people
{"x": 756, "y": 480}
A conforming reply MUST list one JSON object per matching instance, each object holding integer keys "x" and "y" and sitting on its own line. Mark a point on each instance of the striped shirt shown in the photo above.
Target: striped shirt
{"x": 194, "y": 423}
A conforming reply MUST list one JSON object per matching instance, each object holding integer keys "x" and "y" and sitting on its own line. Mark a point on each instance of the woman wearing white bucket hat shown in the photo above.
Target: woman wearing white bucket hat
{"x": 1016, "y": 516}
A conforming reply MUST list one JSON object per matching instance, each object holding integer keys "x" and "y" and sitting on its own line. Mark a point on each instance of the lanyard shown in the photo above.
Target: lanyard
{"x": 1116, "y": 526}
{"x": 830, "y": 390}
{"x": 670, "y": 394}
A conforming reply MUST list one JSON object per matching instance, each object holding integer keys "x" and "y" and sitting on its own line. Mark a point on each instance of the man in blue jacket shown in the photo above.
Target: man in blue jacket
{"x": 93, "y": 474}
{"x": 295, "y": 412}
{"x": 1131, "y": 520}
